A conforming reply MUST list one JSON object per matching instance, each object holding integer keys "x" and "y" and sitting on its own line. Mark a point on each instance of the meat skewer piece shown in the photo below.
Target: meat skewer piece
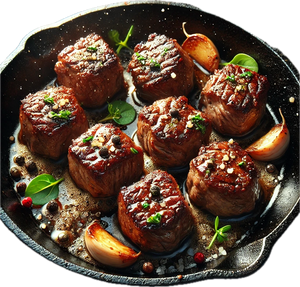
{"x": 234, "y": 99}
{"x": 171, "y": 131}
{"x": 49, "y": 120}
{"x": 92, "y": 69}
{"x": 104, "y": 159}
{"x": 153, "y": 213}
{"x": 223, "y": 180}
{"x": 160, "y": 68}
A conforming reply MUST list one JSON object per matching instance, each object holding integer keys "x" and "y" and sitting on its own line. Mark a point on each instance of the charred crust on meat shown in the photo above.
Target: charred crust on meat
{"x": 160, "y": 130}
{"x": 175, "y": 220}
{"x": 234, "y": 99}
{"x": 156, "y": 64}
{"x": 101, "y": 167}
{"x": 223, "y": 180}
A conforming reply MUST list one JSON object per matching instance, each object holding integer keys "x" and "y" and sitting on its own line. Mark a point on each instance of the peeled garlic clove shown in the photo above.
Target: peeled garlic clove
{"x": 106, "y": 249}
{"x": 272, "y": 145}
{"x": 202, "y": 49}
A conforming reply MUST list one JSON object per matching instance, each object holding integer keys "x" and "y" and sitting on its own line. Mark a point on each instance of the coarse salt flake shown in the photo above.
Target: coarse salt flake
{"x": 226, "y": 157}
{"x": 230, "y": 141}
{"x": 173, "y": 75}
{"x": 222, "y": 166}
{"x": 230, "y": 170}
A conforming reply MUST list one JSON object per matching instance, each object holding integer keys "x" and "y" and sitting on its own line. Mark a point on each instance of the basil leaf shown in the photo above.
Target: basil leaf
{"x": 126, "y": 111}
{"x": 243, "y": 60}
{"x": 42, "y": 189}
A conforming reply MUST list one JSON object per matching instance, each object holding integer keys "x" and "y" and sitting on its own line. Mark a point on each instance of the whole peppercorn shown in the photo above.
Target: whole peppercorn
{"x": 30, "y": 166}
{"x": 19, "y": 160}
{"x": 116, "y": 139}
{"x": 174, "y": 113}
{"x": 52, "y": 206}
{"x": 271, "y": 168}
{"x": 148, "y": 267}
{"x": 15, "y": 172}
{"x": 21, "y": 187}
{"x": 104, "y": 152}
{"x": 155, "y": 190}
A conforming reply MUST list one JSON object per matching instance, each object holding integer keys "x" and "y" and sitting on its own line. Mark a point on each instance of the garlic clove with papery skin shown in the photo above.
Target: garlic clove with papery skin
{"x": 106, "y": 249}
{"x": 202, "y": 50}
{"x": 272, "y": 145}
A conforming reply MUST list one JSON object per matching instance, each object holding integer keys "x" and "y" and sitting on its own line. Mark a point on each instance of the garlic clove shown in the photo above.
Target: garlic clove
{"x": 106, "y": 249}
{"x": 272, "y": 145}
{"x": 202, "y": 49}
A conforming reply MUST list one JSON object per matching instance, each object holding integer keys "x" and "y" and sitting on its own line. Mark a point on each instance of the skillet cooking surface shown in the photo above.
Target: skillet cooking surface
{"x": 167, "y": 19}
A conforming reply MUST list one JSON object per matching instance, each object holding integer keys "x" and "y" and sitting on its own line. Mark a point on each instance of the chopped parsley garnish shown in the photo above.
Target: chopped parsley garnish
{"x": 242, "y": 163}
{"x": 246, "y": 74}
{"x": 141, "y": 58}
{"x": 154, "y": 63}
{"x": 133, "y": 150}
{"x": 230, "y": 78}
{"x": 146, "y": 205}
{"x": 48, "y": 100}
{"x": 63, "y": 114}
{"x": 87, "y": 139}
{"x": 155, "y": 219}
{"x": 198, "y": 123}
{"x": 165, "y": 51}
{"x": 92, "y": 49}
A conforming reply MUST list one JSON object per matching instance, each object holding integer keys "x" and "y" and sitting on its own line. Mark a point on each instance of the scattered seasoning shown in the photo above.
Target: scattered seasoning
{"x": 242, "y": 163}
{"x": 291, "y": 99}
{"x": 173, "y": 75}
{"x": 12, "y": 139}
{"x": 15, "y": 172}
{"x": 154, "y": 63}
{"x": 19, "y": 160}
{"x": 31, "y": 166}
{"x": 174, "y": 113}
{"x": 225, "y": 157}
{"x": 165, "y": 51}
{"x": 52, "y": 206}
{"x": 104, "y": 152}
{"x": 141, "y": 58}
{"x": 63, "y": 237}
{"x": 133, "y": 150}
{"x": 116, "y": 139}
{"x": 271, "y": 168}
{"x": 179, "y": 276}
{"x": 230, "y": 170}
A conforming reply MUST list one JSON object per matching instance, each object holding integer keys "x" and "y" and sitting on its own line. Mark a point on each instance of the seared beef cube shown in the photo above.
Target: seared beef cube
{"x": 234, "y": 99}
{"x": 92, "y": 69}
{"x": 153, "y": 213}
{"x": 49, "y": 120}
{"x": 104, "y": 159}
{"x": 171, "y": 131}
{"x": 160, "y": 68}
{"x": 223, "y": 180}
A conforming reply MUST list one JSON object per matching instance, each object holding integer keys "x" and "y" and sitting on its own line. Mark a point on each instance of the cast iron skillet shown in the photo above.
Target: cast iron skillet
{"x": 30, "y": 68}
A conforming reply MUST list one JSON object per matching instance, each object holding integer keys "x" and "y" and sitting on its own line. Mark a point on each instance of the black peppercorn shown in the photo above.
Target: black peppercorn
{"x": 271, "y": 168}
{"x": 52, "y": 206}
{"x": 21, "y": 187}
{"x": 174, "y": 113}
{"x": 155, "y": 190}
{"x": 30, "y": 166}
{"x": 104, "y": 152}
{"x": 19, "y": 160}
{"x": 15, "y": 172}
{"x": 116, "y": 139}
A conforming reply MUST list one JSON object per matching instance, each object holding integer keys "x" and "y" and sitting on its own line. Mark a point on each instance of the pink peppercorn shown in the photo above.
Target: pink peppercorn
{"x": 199, "y": 258}
{"x": 27, "y": 202}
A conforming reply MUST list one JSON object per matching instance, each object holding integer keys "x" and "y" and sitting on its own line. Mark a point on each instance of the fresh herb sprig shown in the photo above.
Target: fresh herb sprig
{"x": 220, "y": 233}
{"x": 198, "y": 122}
{"x": 115, "y": 36}
{"x": 42, "y": 189}
{"x": 121, "y": 112}
{"x": 243, "y": 60}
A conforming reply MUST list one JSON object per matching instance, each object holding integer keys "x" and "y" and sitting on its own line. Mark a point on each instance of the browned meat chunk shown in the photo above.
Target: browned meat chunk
{"x": 171, "y": 131}
{"x": 92, "y": 69}
{"x": 104, "y": 159}
{"x": 234, "y": 99}
{"x": 160, "y": 68}
{"x": 223, "y": 180}
{"x": 154, "y": 214}
{"x": 49, "y": 120}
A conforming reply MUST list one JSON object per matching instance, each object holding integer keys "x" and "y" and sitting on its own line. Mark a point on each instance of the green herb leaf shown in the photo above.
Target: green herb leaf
{"x": 141, "y": 58}
{"x": 198, "y": 122}
{"x": 133, "y": 150}
{"x": 220, "y": 234}
{"x": 121, "y": 112}
{"x": 155, "y": 219}
{"x": 48, "y": 100}
{"x": 230, "y": 78}
{"x": 115, "y": 36}
{"x": 92, "y": 49}
{"x": 42, "y": 189}
{"x": 87, "y": 139}
{"x": 146, "y": 205}
{"x": 246, "y": 74}
{"x": 63, "y": 114}
{"x": 243, "y": 60}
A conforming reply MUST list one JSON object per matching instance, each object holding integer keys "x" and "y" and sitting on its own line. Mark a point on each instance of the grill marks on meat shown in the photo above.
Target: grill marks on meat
{"x": 100, "y": 164}
{"x": 43, "y": 132}
{"x": 92, "y": 69}
{"x": 168, "y": 134}
{"x": 136, "y": 204}
{"x": 223, "y": 180}
{"x": 160, "y": 68}
{"x": 234, "y": 99}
